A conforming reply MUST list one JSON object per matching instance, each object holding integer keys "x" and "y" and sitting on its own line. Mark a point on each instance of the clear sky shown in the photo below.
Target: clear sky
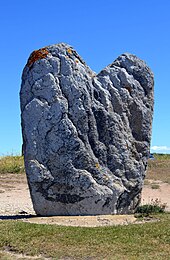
{"x": 100, "y": 31}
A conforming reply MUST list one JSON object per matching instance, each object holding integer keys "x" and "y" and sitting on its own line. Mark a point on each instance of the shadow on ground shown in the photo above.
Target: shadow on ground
{"x": 16, "y": 217}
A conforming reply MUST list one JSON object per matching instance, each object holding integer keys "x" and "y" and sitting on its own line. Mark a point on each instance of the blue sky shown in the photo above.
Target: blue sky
{"x": 100, "y": 31}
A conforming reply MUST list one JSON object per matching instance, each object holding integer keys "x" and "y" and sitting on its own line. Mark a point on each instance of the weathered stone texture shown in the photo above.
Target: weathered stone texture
{"x": 86, "y": 137}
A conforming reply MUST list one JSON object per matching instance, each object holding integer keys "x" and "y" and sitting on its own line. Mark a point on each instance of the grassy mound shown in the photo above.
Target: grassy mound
{"x": 143, "y": 241}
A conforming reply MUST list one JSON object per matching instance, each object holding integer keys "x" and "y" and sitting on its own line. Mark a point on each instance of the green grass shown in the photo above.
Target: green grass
{"x": 143, "y": 241}
{"x": 12, "y": 164}
{"x": 148, "y": 209}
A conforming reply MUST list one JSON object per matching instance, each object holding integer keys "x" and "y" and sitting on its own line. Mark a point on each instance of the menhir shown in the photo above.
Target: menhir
{"x": 86, "y": 137}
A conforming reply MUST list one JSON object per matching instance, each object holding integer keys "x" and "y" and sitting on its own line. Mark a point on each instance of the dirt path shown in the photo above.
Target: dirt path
{"x": 15, "y": 202}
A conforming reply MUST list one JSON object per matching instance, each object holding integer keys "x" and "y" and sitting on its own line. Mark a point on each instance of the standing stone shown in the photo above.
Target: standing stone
{"x": 86, "y": 137}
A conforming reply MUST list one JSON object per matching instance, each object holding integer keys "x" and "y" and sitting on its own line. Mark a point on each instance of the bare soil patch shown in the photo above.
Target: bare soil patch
{"x": 156, "y": 190}
{"x": 14, "y": 195}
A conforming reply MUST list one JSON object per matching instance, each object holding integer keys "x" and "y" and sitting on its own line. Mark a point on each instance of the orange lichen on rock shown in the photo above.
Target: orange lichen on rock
{"x": 37, "y": 55}
{"x": 69, "y": 51}
{"x": 97, "y": 165}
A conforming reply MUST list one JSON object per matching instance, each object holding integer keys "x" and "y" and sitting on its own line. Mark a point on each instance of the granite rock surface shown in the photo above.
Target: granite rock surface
{"x": 86, "y": 136}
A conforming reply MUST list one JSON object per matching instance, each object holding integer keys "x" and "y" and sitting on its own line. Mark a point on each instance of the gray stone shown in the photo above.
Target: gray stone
{"x": 86, "y": 137}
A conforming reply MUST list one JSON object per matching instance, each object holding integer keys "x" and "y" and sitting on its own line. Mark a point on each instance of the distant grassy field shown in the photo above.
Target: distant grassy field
{"x": 12, "y": 164}
{"x": 143, "y": 241}
{"x": 159, "y": 169}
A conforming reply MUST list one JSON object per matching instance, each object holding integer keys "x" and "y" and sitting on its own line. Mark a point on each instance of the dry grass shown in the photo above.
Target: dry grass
{"x": 155, "y": 186}
{"x": 11, "y": 164}
{"x": 159, "y": 169}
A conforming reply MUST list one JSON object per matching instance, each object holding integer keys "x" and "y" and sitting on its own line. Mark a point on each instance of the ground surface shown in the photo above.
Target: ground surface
{"x": 15, "y": 202}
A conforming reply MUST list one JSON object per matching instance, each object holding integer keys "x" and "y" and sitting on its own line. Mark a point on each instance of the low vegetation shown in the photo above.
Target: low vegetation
{"x": 155, "y": 206}
{"x": 12, "y": 164}
{"x": 161, "y": 156}
{"x": 155, "y": 186}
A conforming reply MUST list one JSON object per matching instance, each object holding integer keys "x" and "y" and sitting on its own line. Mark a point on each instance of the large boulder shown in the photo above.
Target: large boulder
{"x": 86, "y": 137}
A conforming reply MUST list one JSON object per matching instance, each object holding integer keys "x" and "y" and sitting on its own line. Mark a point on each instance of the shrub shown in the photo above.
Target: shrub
{"x": 154, "y": 207}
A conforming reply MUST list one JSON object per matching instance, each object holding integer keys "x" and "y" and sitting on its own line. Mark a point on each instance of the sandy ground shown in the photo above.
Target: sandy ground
{"x": 15, "y": 203}
{"x": 160, "y": 194}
